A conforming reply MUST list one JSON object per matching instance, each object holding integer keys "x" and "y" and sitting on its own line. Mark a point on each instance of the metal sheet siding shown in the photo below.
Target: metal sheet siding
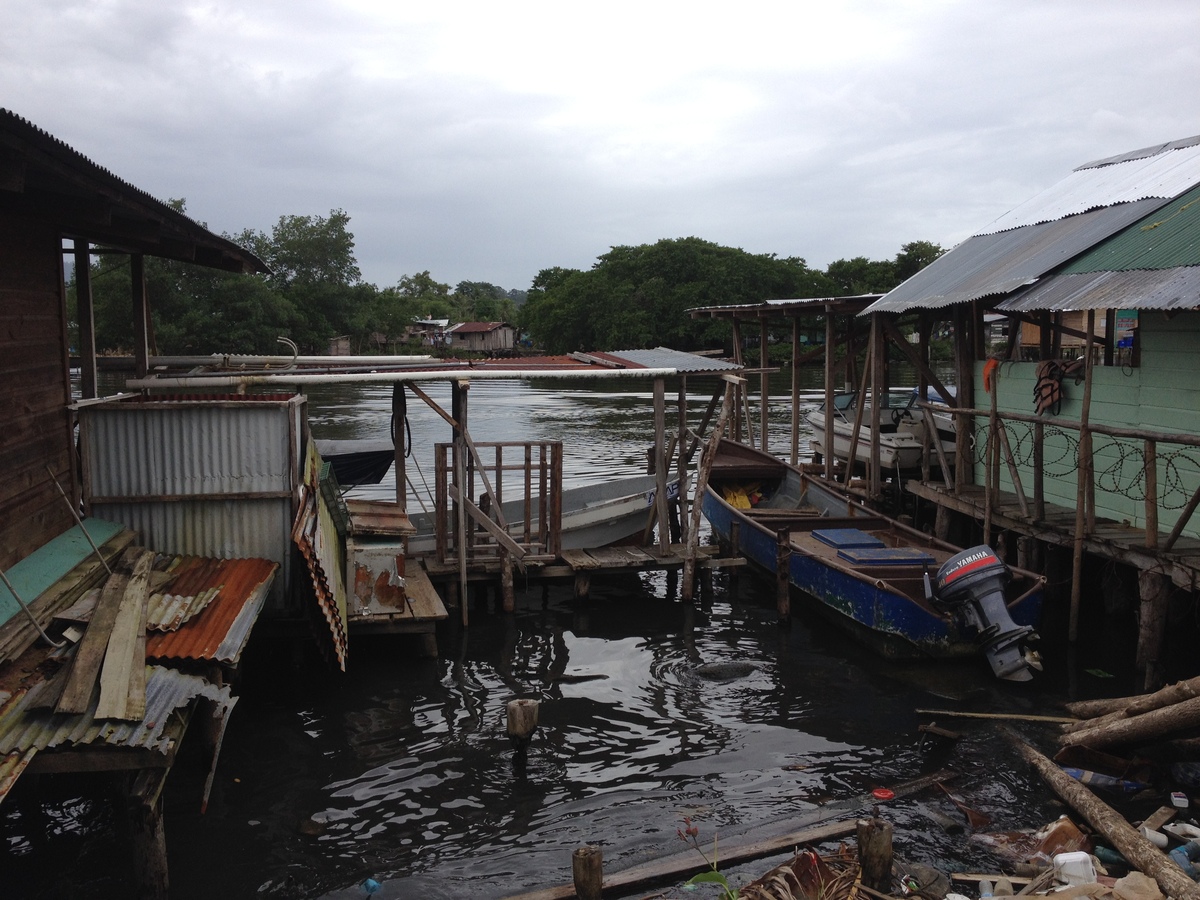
{"x": 993, "y": 264}
{"x": 1167, "y": 238}
{"x": 22, "y": 729}
{"x": 665, "y": 358}
{"x": 1162, "y": 175}
{"x": 1163, "y": 289}
{"x": 186, "y": 448}
{"x": 195, "y": 463}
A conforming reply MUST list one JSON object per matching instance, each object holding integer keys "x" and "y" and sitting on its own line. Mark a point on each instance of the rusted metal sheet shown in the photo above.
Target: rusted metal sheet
{"x": 11, "y": 767}
{"x": 220, "y": 632}
{"x": 203, "y": 475}
{"x": 375, "y": 582}
{"x": 23, "y": 728}
{"x": 315, "y": 534}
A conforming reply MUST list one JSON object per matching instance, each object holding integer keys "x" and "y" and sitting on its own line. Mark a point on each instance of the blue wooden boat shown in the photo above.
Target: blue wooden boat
{"x": 860, "y": 569}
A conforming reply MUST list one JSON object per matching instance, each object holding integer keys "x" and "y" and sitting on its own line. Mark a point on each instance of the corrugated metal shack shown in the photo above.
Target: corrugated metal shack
{"x": 1106, "y": 467}
{"x": 93, "y": 706}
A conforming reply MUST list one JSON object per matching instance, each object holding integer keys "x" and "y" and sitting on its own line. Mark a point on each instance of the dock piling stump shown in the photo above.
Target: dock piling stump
{"x": 522, "y": 722}
{"x": 783, "y": 584}
{"x": 587, "y": 870}
{"x": 875, "y": 853}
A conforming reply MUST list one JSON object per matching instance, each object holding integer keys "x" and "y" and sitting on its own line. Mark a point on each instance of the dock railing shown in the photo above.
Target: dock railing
{"x": 1133, "y": 459}
{"x": 481, "y": 477}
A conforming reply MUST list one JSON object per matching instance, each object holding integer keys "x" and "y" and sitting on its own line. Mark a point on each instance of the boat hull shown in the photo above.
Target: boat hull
{"x": 865, "y": 605}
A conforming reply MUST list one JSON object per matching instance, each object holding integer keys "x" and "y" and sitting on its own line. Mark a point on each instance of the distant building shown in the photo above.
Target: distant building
{"x": 483, "y": 337}
{"x": 339, "y": 346}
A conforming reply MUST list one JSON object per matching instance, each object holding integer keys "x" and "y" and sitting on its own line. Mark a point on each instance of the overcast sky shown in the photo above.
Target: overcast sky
{"x": 487, "y": 141}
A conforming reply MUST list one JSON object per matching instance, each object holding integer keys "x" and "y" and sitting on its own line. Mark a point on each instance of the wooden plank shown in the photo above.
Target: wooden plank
{"x": 85, "y": 667}
{"x": 579, "y": 559}
{"x": 426, "y": 604}
{"x": 117, "y": 682}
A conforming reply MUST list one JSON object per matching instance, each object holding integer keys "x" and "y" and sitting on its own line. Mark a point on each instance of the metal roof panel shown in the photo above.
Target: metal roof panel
{"x": 665, "y": 358}
{"x": 1162, "y": 289}
{"x": 993, "y": 264}
{"x": 1162, "y": 175}
{"x": 1166, "y": 239}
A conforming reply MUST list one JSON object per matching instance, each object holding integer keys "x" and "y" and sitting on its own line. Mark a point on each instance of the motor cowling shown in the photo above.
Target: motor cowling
{"x": 970, "y": 587}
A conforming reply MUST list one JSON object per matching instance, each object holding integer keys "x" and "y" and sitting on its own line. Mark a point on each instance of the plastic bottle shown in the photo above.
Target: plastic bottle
{"x": 985, "y": 888}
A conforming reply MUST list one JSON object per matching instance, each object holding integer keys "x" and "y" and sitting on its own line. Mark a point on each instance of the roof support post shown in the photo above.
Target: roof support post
{"x": 764, "y": 384}
{"x": 1084, "y": 496}
{"x": 829, "y": 376}
{"x": 660, "y": 466}
{"x": 878, "y": 379}
{"x": 141, "y": 315}
{"x": 87, "y": 320}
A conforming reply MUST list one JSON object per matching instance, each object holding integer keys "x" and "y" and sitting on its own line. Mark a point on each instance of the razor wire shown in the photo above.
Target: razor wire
{"x": 1120, "y": 463}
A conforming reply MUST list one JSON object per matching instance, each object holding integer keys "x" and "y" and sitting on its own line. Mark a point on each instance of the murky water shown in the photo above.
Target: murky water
{"x": 401, "y": 770}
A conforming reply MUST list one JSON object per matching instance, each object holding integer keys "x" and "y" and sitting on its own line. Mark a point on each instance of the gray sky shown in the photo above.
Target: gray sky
{"x": 487, "y": 141}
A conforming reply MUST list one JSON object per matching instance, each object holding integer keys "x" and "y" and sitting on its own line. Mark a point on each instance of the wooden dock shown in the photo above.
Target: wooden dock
{"x": 582, "y": 566}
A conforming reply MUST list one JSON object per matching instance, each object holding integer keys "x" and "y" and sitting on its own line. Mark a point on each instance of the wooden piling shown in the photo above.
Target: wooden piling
{"x": 783, "y": 584}
{"x": 875, "y": 854}
{"x": 1083, "y": 474}
{"x": 706, "y": 463}
{"x": 587, "y": 870}
{"x": 522, "y": 721}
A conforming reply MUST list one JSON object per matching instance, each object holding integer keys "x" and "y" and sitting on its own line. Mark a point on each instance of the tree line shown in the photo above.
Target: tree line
{"x": 631, "y": 297}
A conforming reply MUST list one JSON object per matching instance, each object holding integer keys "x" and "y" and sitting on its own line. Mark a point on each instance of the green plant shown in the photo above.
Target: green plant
{"x": 690, "y": 834}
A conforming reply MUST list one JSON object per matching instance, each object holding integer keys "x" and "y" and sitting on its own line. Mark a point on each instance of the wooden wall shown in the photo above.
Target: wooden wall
{"x": 35, "y": 429}
{"x": 1162, "y": 394}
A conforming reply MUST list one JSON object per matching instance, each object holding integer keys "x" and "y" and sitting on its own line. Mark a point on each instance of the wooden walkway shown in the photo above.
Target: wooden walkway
{"x": 1111, "y": 539}
{"x": 583, "y": 565}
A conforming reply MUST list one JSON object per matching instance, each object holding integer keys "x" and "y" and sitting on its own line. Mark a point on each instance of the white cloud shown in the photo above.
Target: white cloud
{"x": 487, "y": 141}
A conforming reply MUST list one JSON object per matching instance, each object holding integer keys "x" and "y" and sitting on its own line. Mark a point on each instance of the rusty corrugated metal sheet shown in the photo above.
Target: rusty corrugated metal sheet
{"x": 315, "y": 534}
{"x": 1159, "y": 172}
{"x": 1163, "y": 289}
{"x": 23, "y": 729}
{"x": 995, "y": 264}
{"x": 220, "y": 632}
{"x": 11, "y": 767}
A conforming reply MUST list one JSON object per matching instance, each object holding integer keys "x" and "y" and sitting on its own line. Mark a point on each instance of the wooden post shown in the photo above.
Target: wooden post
{"x": 399, "y": 416}
{"x": 459, "y": 406}
{"x": 1083, "y": 474}
{"x": 87, "y": 320}
{"x": 795, "y": 457}
{"x": 149, "y": 838}
{"x": 964, "y": 464}
{"x": 783, "y": 581}
{"x": 681, "y": 461}
{"x": 829, "y": 375}
{"x": 991, "y": 490}
{"x": 660, "y": 467}
{"x": 521, "y": 722}
{"x": 737, "y": 358}
{"x": 852, "y": 455}
{"x": 141, "y": 315}
{"x": 587, "y": 870}
{"x": 1154, "y": 590}
{"x": 1150, "y": 463}
{"x": 878, "y": 386}
{"x": 764, "y": 386}
{"x": 706, "y": 461}
{"x": 506, "y": 581}
{"x": 875, "y": 854}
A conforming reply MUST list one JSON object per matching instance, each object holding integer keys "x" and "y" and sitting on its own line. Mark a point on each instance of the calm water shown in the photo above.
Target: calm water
{"x": 400, "y": 770}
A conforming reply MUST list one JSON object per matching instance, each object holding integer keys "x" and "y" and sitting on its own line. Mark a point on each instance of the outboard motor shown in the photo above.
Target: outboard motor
{"x": 970, "y": 587}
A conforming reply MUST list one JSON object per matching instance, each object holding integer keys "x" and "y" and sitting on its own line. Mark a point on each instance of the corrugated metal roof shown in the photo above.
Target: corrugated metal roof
{"x": 1167, "y": 238}
{"x": 48, "y": 161}
{"x": 315, "y": 534}
{"x": 22, "y": 728}
{"x": 1164, "y": 174}
{"x": 665, "y": 358}
{"x": 993, "y": 264}
{"x": 1165, "y": 289}
{"x": 811, "y": 305}
{"x": 220, "y": 632}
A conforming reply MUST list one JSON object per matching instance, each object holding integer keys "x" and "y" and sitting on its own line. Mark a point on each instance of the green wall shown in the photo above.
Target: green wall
{"x": 1162, "y": 394}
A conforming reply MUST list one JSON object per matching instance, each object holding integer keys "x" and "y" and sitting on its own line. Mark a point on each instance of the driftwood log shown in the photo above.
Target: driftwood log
{"x": 1108, "y": 822}
{"x": 1152, "y": 725}
{"x": 1138, "y": 704}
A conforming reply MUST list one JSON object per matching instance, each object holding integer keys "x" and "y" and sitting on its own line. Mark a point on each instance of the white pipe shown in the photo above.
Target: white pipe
{"x": 298, "y": 379}
{"x": 228, "y": 360}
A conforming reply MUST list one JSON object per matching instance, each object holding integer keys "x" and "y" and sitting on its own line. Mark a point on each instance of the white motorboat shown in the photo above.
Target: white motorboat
{"x": 902, "y": 429}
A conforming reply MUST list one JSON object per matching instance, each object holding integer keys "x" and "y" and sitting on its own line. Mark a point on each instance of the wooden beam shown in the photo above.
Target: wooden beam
{"x": 85, "y": 667}
{"x": 122, "y": 672}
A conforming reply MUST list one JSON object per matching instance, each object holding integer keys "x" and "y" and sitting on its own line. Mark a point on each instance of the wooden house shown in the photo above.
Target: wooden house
{"x": 55, "y": 201}
{"x": 482, "y": 337}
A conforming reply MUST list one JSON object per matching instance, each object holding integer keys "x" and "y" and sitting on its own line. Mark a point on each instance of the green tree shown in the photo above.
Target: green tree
{"x": 914, "y": 256}
{"x": 639, "y": 296}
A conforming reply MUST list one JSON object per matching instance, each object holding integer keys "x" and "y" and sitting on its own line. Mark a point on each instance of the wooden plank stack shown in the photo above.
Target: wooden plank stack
{"x": 111, "y": 657}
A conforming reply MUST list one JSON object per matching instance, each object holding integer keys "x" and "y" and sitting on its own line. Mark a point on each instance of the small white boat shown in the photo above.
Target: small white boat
{"x": 595, "y": 515}
{"x": 901, "y": 432}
